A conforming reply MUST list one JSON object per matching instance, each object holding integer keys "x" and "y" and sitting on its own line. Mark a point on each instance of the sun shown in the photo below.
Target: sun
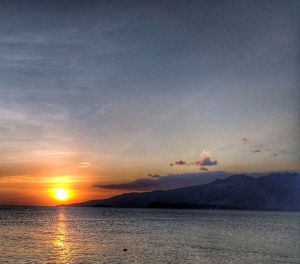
{"x": 61, "y": 194}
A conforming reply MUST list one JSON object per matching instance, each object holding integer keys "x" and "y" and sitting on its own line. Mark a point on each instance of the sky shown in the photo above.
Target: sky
{"x": 98, "y": 94}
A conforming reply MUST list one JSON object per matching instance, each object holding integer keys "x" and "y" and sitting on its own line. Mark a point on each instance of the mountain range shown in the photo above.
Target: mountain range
{"x": 276, "y": 191}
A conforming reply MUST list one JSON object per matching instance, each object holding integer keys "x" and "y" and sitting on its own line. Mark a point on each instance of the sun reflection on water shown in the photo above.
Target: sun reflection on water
{"x": 60, "y": 241}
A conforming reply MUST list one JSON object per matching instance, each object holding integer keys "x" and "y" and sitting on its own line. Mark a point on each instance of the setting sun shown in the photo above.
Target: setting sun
{"x": 61, "y": 194}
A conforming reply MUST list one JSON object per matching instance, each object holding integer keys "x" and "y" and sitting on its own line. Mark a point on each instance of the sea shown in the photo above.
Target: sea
{"x": 122, "y": 235}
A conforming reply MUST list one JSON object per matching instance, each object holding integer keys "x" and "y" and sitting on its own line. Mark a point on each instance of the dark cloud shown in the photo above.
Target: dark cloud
{"x": 140, "y": 184}
{"x": 203, "y": 169}
{"x": 154, "y": 175}
{"x": 245, "y": 140}
{"x": 180, "y": 162}
{"x": 207, "y": 162}
{"x": 275, "y": 152}
{"x": 166, "y": 182}
{"x": 171, "y": 181}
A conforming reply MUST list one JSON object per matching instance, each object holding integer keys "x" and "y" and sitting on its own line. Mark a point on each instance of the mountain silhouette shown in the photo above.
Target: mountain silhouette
{"x": 276, "y": 191}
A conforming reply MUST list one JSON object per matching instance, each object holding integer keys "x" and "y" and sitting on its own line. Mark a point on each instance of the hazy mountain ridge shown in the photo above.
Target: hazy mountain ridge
{"x": 276, "y": 191}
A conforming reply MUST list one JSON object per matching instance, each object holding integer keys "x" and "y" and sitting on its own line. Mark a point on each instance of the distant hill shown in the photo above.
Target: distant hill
{"x": 276, "y": 191}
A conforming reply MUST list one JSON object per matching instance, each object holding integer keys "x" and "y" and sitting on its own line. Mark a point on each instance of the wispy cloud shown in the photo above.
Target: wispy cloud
{"x": 84, "y": 164}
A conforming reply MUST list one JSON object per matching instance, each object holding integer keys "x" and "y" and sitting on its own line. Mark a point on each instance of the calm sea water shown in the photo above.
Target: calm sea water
{"x": 100, "y": 235}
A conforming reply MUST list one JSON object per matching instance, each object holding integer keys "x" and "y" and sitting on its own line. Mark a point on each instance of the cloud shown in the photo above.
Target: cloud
{"x": 204, "y": 162}
{"x": 180, "y": 162}
{"x": 166, "y": 182}
{"x": 140, "y": 184}
{"x": 154, "y": 175}
{"x": 207, "y": 162}
{"x": 85, "y": 164}
{"x": 279, "y": 152}
{"x": 274, "y": 152}
{"x": 245, "y": 140}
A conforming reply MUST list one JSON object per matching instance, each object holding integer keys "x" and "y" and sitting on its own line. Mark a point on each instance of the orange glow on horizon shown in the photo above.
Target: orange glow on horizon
{"x": 61, "y": 188}
{"x": 40, "y": 188}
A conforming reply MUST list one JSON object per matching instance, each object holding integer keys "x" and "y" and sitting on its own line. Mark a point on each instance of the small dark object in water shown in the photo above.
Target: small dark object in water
{"x": 124, "y": 249}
